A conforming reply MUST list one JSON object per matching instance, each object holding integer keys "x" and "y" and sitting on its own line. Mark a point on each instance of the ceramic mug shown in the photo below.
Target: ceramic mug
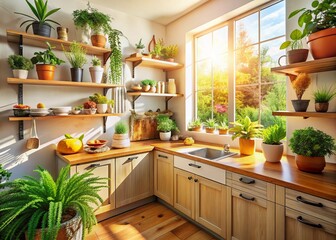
{"x": 62, "y": 33}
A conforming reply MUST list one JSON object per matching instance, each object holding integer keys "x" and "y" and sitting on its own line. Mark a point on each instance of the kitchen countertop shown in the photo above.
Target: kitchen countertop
{"x": 284, "y": 174}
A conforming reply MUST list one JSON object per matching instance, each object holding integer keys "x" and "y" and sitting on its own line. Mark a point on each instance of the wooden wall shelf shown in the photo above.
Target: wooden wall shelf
{"x": 167, "y": 96}
{"x": 314, "y": 66}
{"x": 306, "y": 114}
{"x": 66, "y": 116}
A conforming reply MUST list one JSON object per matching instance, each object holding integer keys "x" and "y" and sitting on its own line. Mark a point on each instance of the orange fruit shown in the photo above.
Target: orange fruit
{"x": 69, "y": 146}
{"x": 40, "y": 105}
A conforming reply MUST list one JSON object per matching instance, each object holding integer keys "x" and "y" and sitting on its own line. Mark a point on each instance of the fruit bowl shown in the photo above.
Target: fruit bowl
{"x": 98, "y": 143}
{"x": 19, "y": 112}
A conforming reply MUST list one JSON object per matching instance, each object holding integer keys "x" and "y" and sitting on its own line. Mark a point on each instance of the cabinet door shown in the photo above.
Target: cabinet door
{"x": 164, "y": 176}
{"x": 210, "y": 205}
{"x": 105, "y": 169}
{"x": 252, "y": 217}
{"x": 184, "y": 197}
{"x": 134, "y": 178}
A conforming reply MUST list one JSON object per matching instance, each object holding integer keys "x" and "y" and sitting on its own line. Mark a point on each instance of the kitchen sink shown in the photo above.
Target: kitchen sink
{"x": 211, "y": 153}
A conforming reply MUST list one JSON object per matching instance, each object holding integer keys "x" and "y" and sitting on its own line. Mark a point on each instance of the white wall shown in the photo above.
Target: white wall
{"x": 13, "y": 154}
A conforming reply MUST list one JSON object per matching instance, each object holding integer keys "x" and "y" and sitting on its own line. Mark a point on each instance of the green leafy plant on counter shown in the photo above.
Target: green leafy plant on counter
{"x": 165, "y": 124}
{"x": 121, "y": 128}
{"x": 246, "y": 129}
{"x": 4, "y": 174}
{"x": 324, "y": 95}
{"x": 19, "y": 62}
{"x": 274, "y": 134}
{"x": 76, "y": 55}
{"x": 46, "y": 57}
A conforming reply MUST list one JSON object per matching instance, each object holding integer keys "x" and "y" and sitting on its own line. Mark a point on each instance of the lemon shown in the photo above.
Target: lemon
{"x": 188, "y": 141}
{"x": 40, "y": 105}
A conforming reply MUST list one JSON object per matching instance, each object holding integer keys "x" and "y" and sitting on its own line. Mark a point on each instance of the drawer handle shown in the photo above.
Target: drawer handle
{"x": 94, "y": 165}
{"x": 163, "y": 156}
{"x": 301, "y": 220}
{"x": 315, "y": 204}
{"x": 194, "y": 165}
{"x": 246, "y": 198}
{"x": 246, "y": 180}
{"x": 189, "y": 178}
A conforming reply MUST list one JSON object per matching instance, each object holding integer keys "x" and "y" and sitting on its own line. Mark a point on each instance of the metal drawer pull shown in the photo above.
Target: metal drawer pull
{"x": 301, "y": 220}
{"x": 163, "y": 156}
{"x": 189, "y": 178}
{"x": 316, "y": 204}
{"x": 246, "y": 198}
{"x": 194, "y": 165}
{"x": 247, "y": 180}
{"x": 131, "y": 158}
{"x": 94, "y": 165}
{"x": 196, "y": 180}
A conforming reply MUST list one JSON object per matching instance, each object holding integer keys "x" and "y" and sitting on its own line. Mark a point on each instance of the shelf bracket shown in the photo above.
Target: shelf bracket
{"x": 134, "y": 100}
{"x": 167, "y": 100}
{"x": 104, "y": 124}
{"x": 135, "y": 64}
{"x": 20, "y": 91}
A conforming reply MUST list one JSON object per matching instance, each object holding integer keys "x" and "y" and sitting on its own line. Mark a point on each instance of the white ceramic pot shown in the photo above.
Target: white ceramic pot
{"x": 272, "y": 153}
{"x": 102, "y": 108}
{"x": 83, "y": 35}
{"x": 96, "y": 74}
{"x": 165, "y": 136}
{"x": 20, "y": 73}
{"x": 121, "y": 141}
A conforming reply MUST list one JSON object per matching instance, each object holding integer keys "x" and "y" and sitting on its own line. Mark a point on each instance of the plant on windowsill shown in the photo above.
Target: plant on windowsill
{"x": 272, "y": 146}
{"x": 311, "y": 146}
{"x": 20, "y": 66}
{"x": 246, "y": 130}
{"x": 195, "y": 125}
{"x": 210, "y": 125}
{"x": 121, "y": 136}
{"x": 45, "y": 209}
{"x": 77, "y": 58}
{"x": 165, "y": 126}
{"x": 300, "y": 83}
{"x": 322, "y": 98}
{"x": 222, "y": 128}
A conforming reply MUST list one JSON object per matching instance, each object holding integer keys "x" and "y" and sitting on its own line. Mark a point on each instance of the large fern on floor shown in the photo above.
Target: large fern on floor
{"x": 31, "y": 203}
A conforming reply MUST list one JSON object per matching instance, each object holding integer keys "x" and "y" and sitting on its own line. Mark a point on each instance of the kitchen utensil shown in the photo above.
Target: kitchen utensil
{"x": 33, "y": 142}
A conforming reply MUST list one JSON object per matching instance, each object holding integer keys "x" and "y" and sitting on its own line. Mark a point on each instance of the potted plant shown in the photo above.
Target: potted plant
{"x": 4, "y": 174}
{"x": 101, "y": 102}
{"x": 120, "y": 137}
{"x": 195, "y": 125}
{"x": 297, "y": 52}
{"x": 300, "y": 83}
{"x": 77, "y": 58}
{"x": 210, "y": 125}
{"x": 322, "y": 98}
{"x": 46, "y": 62}
{"x": 246, "y": 130}
{"x": 148, "y": 85}
{"x": 96, "y": 71}
{"x": 272, "y": 146}
{"x": 139, "y": 46}
{"x": 170, "y": 52}
{"x": 165, "y": 125}
{"x": 90, "y": 107}
{"x": 222, "y": 128}
{"x": 319, "y": 24}
{"x": 311, "y": 146}
{"x": 157, "y": 50}
{"x": 40, "y": 22}
{"x": 47, "y": 209}
{"x": 20, "y": 66}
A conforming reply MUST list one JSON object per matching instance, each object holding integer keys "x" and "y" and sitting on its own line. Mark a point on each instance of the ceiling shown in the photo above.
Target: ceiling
{"x": 159, "y": 11}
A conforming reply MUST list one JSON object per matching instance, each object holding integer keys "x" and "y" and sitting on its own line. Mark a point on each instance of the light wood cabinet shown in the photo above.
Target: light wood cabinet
{"x": 164, "y": 176}
{"x": 134, "y": 178}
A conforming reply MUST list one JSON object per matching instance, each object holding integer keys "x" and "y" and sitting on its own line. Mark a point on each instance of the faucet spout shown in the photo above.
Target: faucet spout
{"x": 226, "y": 148}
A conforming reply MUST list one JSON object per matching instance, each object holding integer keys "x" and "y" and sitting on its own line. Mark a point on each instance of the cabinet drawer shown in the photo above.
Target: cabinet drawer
{"x": 314, "y": 206}
{"x": 163, "y": 156}
{"x": 201, "y": 169}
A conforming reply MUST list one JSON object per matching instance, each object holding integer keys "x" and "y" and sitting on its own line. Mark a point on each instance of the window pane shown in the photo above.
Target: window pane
{"x": 247, "y": 102}
{"x": 204, "y": 105}
{"x": 247, "y": 65}
{"x": 220, "y": 43}
{"x": 204, "y": 46}
{"x": 247, "y": 30}
{"x": 272, "y": 21}
{"x": 204, "y": 75}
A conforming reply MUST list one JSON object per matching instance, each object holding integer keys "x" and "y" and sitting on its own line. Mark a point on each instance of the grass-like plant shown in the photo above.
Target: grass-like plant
{"x": 31, "y": 203}
{"x": 46, "y": 57}
{"x": 169, "y": 51}
{"x": 19, "y": 62}
{"x": 274, "y": 134}
{"x": 210, "y": 123}
{"x": 4, "y": 174}
{"x": 222, "y": 125}
{"x": 246, "y": 129}
{"x": 99, "y": 98}
{"x": 324, "y": 95}
{"x": 96, "y": 62}
{"x": 121, "y": 128}
{"x": 76, "y": 55}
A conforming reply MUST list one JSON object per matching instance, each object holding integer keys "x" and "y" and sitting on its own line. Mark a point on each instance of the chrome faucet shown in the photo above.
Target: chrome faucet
{"x": 226, "y": 148}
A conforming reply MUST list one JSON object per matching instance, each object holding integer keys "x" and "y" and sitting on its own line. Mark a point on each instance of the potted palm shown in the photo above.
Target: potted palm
{"x": 195, "y": 125}
{"x": 297, "y": 52}
{"x": 101, "y": 101}
{"x": 210, "y": 125}
{"x": 272, "y": 146}
{"x": 77, "y": 58}
{"x": 40, "y": 22}
{"x": 311, "y": 146}
{"x": 96, "y": 71}
{"x": 139, "y": 46}
{"x": 43, "y": 208}
{"x": 121, "y": 137}
{"x": 170, "y": 52}
{"x": 165, "y": 126}
{"x": 246, "y": 130}
{"x": 222, "y": 128}
{"x": 319, "y": 24}
{"x": 46, "y": 62}
{"x": 300, "y": 83}
{"x": 322, "y": 98}
{"x": 20, "y": 66}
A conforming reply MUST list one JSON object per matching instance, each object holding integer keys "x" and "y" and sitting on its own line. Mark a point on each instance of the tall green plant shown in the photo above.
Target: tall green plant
{"x": 76, "y": 55}
{"x": 245, "y": 128}
{"x": 121, "y": 128}
{"x": 31, "y": 203}
{"x": 274, "y": 134}
{"x": 46, "y": 57}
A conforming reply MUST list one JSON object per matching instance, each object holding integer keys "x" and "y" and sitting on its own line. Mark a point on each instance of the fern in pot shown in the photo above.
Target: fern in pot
{"x": 20, "y": 66}
{"x": 48, "y": 209}
{"x": 77, "y": 58}
{"x": 96, "y": 71}
{"x": 272, "y": 146}
{"x": 121, "y": 137}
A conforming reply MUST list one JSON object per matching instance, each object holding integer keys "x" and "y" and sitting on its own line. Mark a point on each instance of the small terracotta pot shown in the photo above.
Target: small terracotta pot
{"x": 223, "y": 131}
{"x": 246, "y": 146}
{"x": 45, "y": 71}
{"x": 98, "y": 40}
{"x": 322, "y": 44}
{"x": 321, "y": 107}
{"x": 146, "y": 88}
{"x": 210, "y": 130}
{"x": 197, "y": 129}
{"x": 310, "y": 164}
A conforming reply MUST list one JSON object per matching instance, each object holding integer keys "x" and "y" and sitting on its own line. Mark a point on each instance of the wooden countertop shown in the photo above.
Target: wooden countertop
{"x": 284, "y": 174}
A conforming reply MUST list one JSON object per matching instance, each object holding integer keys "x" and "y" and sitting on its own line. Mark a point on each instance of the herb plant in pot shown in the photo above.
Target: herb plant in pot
{"x": 121, "y": 137}
{"x": 170, "y": 52}
{"x": 42, "y": 208}
{"x": 195, "y": 125}
{"x": 157, "y": 51}
{"x": 272, "y": 146}
{"x": 246, "y": 130}
{"x": 46, "y": 62}
{"x": 210, "y": 125}
{"x": 77, "y": 58}
{"x": 40, "y": 22}
{"x": 96, "y": 71}
{"x": 148, "y": 85}
{"x": 300, "y": 83}
{"x": 20, "y": 66}
{"x": 139, "y": 46}
{"x": 222, "y": 128}
{"x": 311, "y": 146}
{"x": 165, "y": 126}
{"x": 90, "y": 107}
{"x": 322, "y": 98}
{"x": 297, "y": 53}
{"x": 101, "y": 101}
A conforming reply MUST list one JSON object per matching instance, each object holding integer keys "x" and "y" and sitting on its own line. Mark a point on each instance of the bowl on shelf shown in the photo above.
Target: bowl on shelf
{"x": 39, "y": 112}
{"x": 20, "y": 112}
{"x": 136, "y": 88}
{"x": 60, "y": 111}
{"x": 75, "y": 111}
{"x": 89, "y": 111}
{"x": 97, "y": 143}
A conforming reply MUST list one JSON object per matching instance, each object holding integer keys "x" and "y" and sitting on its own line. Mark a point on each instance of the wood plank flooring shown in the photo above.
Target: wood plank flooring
{"x": 151, "y": 221}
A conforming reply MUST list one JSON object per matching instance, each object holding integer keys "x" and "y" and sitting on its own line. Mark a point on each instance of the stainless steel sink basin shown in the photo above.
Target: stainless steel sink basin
{"x": 211, "y": 153}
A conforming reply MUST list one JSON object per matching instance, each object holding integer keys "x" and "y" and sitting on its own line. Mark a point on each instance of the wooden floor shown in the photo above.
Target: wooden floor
{"x": 151, "y": 221}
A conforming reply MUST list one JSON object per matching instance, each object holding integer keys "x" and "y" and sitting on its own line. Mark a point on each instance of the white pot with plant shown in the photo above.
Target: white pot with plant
{"x": 101, "y": 102}
{"x": 20, "y": 66}
{"x": 165, "y": 126}
{"x": 77, "y": 58}
{"x": 272, "y": 146}
{"x": 96, "y": 71}
{"x": 121, "y": 137}
{"x": 300, "y": 83}
{"x": 322, "y": 98}
{"x": 139, "y": 46}
{"x": 148, "y": 85}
